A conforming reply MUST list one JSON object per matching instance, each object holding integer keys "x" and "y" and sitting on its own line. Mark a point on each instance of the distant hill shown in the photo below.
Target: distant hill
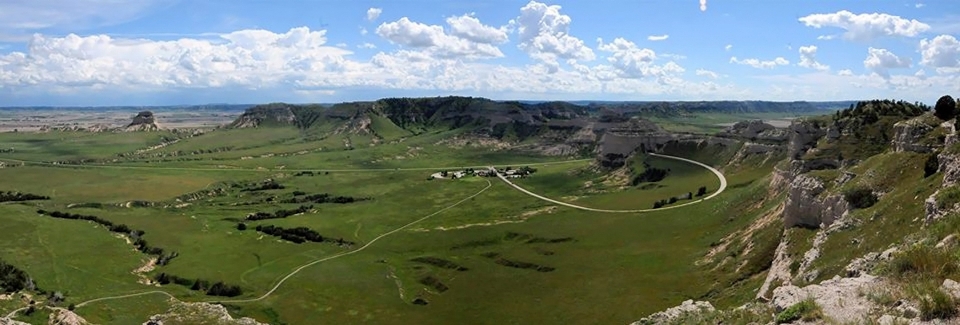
{"x": 417, "y": 114}
{"x": 134, "y": 108}
{"x": 666, "y": 108}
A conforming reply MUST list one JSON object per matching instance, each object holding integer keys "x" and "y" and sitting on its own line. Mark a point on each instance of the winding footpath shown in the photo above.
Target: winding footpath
{"x": 723, "y": 186}
{"x": 298, "y": 269}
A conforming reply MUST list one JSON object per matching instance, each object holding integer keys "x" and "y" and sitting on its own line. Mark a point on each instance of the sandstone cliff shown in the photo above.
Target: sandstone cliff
{"x": 144, "y": 121}
{"x": 913, "y": 134}
{"x": 806, "y": 207}
{"x": 258, "y": 115}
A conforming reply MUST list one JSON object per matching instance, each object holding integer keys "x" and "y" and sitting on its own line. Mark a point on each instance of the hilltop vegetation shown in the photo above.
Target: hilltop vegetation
{"x": 869, "y": 213}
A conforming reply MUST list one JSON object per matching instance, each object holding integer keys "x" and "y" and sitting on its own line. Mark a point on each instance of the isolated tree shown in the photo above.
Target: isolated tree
{"x": 241, "y": 226}
{"x": 946, "y": 108}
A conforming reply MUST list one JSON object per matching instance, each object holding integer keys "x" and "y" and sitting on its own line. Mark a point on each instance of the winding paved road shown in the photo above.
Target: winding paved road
{"x": 723, "y": 186}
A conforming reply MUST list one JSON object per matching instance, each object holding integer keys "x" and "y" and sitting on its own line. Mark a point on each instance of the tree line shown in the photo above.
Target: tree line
{"x": 650, "y": 174}
{"x": 310, "y": 173}
{"x": 10, "y": 196}
{"x": 299, "y": 235}
{"x": 163, "y": 258}
{"x": 689, "y": 196}
{"x": 211, "y": 289}
{"x": 13, "y": 279}
{"x": 268, "y": 185}
{"x": 322, "y": 198}
{"x": 279, "y": 214}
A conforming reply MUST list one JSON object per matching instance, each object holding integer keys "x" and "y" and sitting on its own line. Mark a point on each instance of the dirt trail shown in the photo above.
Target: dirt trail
{"x": 297, "y": 270}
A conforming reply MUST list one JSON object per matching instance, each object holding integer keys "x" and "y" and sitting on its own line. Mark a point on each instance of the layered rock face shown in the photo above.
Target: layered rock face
{"x": 144, "y": 121}
{"x": 909, "y": 136}
{"x": 254, "y": 117}
{"x": 805, "y": 207}
{"x": 756, "y": 130}
{"x": 666, "y": 316}
{"x": 803, "y": 136}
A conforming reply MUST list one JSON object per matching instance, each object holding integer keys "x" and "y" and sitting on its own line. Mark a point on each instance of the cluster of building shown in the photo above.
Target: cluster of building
{"x": 489, "y": 172}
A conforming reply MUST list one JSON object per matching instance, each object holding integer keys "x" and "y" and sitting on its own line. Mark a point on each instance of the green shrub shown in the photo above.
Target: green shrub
{"x": 937, "y": 305}
{"x": 806, "y": 310}
{"x": 860, "y": 198}
{"x": 947, "y": 197}
{"x": 924, "y": 262}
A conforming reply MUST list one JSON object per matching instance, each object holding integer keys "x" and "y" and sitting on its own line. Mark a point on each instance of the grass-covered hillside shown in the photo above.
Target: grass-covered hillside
{"x": 386, "y": 212}
{"x": 870, "y": 210}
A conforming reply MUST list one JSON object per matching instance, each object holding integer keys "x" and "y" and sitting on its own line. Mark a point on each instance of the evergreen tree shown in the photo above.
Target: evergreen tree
{"x": 946, "y": 108}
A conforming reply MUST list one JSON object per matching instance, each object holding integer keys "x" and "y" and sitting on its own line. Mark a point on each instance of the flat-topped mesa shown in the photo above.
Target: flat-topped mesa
{"x": 270, "y": 114}
{"x": 757, "y": 130}
{"x": 144, "y": 121}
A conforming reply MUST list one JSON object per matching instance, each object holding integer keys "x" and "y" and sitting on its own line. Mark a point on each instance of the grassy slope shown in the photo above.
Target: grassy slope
{"x": 76, "y": 145}
{"x": 555, "y": 182}
{"x": 898, "y": 213}
{"x": 621, "y": 262}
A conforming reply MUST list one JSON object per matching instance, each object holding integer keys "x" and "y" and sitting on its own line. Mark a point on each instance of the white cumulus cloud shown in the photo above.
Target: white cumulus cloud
{"x": 880, "y": 61}
{"x": 861, "y": 27}
{"x": 658, "y": 37}
{"x": 707, "y": 73}
{"x": 630, "y": 61}
{"x": 808, "y": 58}
{"x": 432, "y": 38}
{"x": 470, "y": 28}
{"x": 845, "y": 72}
{"x": 703, "y": 5}
{"x": 756, "y": 63}
{"x": 373, "y": 13}
{"x": 544, "y": 33}
{"x": 941, "y": 52}
{"x": 728, "y": 47}
{"x": 241, "y": 58}
{"x": 367, "y": 46}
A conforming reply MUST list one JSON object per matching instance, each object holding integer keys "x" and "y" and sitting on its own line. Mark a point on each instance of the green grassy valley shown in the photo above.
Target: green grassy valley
{"x": 298, "y": 213}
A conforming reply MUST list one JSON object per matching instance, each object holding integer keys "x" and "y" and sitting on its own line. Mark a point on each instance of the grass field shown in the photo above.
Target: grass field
{"x": 523, "y": 260}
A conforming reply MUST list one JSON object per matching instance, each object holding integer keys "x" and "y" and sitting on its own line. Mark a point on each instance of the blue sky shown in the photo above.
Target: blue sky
{"x": 160, "y": 52}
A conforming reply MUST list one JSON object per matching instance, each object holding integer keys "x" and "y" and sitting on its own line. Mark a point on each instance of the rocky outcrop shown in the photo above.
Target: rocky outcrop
{"x": 909, "y": 135}
{"x": 867, "y": 263}
{"x": 806, "y": 207}
{"x": 144, "y": 121}
{"x": 75, "y": 128}
{"x": 841, "y": 299}
{"x": 950, "y": 167}
{"x": 779, "y": 272}
{"x": 803, "y": 135}
{"x": 755, "y": 130}
{"x": 270, "y": 114}
{"x": 61, "y": 316}
{"x": 622, "y": 140}
{"x": 8, "y": 321}
{"x": 199, "y": 313}
{"x": 685, "y": 309}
